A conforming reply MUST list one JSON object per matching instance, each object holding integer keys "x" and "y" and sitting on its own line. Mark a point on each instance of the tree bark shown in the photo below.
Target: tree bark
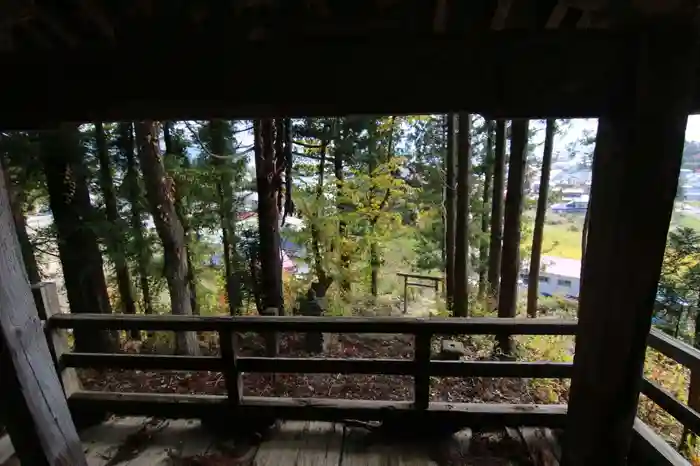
{"x": 173, "y": 149}
{"x": 268, "y": 215}
{"x": 535, "y": 257}
{"x": 126, "y": 143}
{"x": 288, "y": 164}
{"x": 341, "y": 208}
{"x": 224, "y": 188}
{"x": 510, "y": 259}
{"x": 80, "y": 255}
{"x": 496, "y": 236}
{"x": 485, "y": 218}
{"x": 450, "y": 209}
{"x": 461, "y": 284}
{"x": 115, "y": 237}
{"x": 160, "y": 191}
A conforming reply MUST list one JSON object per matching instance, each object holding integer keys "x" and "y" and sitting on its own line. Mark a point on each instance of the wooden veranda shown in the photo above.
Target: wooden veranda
{"x": 629, "y": 63}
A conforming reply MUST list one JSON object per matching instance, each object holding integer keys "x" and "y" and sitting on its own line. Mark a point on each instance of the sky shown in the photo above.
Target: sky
{"x": 574, "y": 133}
{"x": 692, "y": 132}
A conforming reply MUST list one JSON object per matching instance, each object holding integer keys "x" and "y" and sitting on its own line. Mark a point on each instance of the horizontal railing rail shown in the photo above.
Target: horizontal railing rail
{"x": 685, "y": 355}
{"x": 421, "y": 367}
{"x": 405, "y": 325}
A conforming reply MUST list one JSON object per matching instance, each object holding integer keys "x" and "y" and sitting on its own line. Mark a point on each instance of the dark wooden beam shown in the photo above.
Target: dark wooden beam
{"x": 649, "y": 449}
{"x": 407, "y": 325}
{"x": 517, "y": 369}
{"x": 521, "y": 74}
{"x": 659, "y": 395}
{"x": 32, "y": 399}
{"x": 197, "y": 406}
{"x": 635, "y": 171}
{"x": 675, "y": 349}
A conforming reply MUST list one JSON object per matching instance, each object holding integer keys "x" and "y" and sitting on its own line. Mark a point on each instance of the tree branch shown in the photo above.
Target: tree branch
{"x": 387, "y": 193}
{"x": 204, "y": 148}
{"x": 309, "y": 146}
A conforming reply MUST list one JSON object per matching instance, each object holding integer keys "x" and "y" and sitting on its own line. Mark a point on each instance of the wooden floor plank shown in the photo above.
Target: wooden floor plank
{"x": 362, "y": 448}
{"x": 454, "y": 449}
{"x": 283, "y": 448}
{"x": 539, "y": 447}
{"x": 102, "y": 442}
{"x": 323, "y": 445}
{"x": 177, "y": 439}
{"x": 553, "y": 440}
{"x": 6, "y": 449}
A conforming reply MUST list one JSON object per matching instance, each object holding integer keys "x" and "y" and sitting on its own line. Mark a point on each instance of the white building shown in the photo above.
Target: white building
{"x": 558, "y": 277}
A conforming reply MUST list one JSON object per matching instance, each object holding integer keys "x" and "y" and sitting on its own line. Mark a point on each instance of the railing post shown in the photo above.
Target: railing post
{"x": 271, "y": 338}
{"x": 46, "y": 298}
{"x": 421, "y": 376}
{"x": 232, "y": 376}
{"x": 405, "y": 294}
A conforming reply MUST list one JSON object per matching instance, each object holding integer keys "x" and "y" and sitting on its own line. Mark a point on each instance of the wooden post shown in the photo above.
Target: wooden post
{"x": 405, "y": 294}
{"x": 635, "y": 171}
{"x": 41, "y": 430}
{"x": 46, "y": 299}
{"x": 421, "y": 377}
{"x": 232, "y": 375}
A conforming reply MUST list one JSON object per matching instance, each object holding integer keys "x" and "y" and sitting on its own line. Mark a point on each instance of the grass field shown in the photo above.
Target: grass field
{"x": 562, "y": 233}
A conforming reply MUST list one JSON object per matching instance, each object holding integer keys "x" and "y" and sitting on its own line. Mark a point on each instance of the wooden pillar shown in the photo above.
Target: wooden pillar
{"x": 635, "y": 171}
{"x": 41, "y": 427}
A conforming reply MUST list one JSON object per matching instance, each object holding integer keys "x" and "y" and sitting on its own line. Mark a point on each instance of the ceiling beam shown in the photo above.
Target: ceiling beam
{"x": 520, "y": 75}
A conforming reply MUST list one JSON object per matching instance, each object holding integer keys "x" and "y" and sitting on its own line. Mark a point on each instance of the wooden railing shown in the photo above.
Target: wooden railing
{"x": 689, "y": 357}
{"x": 232, "y": 365}
{"x": 421, "y": 279}
{"x": 422, "y": 367}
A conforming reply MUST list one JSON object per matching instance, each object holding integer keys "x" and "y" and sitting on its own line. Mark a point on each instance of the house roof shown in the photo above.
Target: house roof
{"x": 561, "y": 266}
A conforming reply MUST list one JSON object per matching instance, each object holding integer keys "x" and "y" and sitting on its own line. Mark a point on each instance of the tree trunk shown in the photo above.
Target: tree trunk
{"x": 115, "y": 238}
{"x": 16, "y": 198}
{"x": 126, "y": 142}
{"x": 375, "y": 254}
{"x": 268, "y": 215}
{"x": 496, "y": 236}
{"x": 288, "y": 163}
{"x": 160, "y": 191}
{"x": 485, "y": 201}
{"x": 324, "y": 280}
{"x": 450, "y": 209}
{"x": 217, "y": 130}
{"x": 341, "y": 208}
{"x": 461, "y": 283}
{"x": 510, "y": 259}
{"x": 62, "y": 155}
{"x": 535, "y": 257}
{"x": 173, "y": 151}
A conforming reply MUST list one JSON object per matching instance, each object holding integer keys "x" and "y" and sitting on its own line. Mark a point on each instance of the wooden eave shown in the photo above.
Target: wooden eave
{"x": 205, "y": 59}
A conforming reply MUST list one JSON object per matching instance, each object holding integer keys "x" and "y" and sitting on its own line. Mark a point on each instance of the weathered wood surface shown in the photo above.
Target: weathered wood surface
{"x": 141, "y": 441}
{"x": 33, "y": 402}
{"x": 175, "y": 406}
{"x": 636, "y": 166}
{"x": 408, "y": 325}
